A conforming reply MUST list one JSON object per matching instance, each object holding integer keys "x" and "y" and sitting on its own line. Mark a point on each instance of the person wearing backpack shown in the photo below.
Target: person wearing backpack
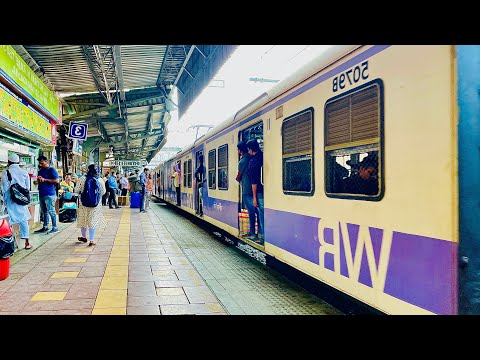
{"x": 112, "y": 188}
{"x": 47, "y": 181}
{"x": 18, "y": 214}
{"x": 90, "y": 188}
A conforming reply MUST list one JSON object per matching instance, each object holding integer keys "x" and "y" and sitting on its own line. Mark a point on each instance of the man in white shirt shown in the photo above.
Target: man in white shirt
{"x": 18, "y": 214}
{"x": 124, "y": 185}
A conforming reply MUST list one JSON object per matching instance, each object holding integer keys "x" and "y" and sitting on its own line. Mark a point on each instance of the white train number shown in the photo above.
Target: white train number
{"x": 352, "y": 76}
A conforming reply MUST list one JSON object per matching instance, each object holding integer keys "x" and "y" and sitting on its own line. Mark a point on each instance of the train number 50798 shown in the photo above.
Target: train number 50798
{"x": 351, "y": 76}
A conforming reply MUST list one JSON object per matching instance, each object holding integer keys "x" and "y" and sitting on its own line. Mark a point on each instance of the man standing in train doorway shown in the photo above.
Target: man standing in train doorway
{"x": 199, "y": 177}
{"x": 254, "y": 174}
{"x": 176, "y": 181}
{"x": 246, "y": 185}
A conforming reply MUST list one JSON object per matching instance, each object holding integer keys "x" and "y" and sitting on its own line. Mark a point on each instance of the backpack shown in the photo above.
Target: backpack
{"x": 91, "y": 193}
{"x": 18, "y": 193}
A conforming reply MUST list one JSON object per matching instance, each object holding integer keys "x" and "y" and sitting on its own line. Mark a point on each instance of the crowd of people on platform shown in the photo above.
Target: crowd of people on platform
{"x": 92, "y": 191}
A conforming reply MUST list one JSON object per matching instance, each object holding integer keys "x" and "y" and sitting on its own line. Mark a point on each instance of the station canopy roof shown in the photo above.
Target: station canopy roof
{"x": 124, "y": 92}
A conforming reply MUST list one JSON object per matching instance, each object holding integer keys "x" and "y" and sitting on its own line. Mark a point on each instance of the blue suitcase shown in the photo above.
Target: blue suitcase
{"x": 135, "y": 199}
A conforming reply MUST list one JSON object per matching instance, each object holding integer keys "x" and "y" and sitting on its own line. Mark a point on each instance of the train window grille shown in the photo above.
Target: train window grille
{"x": 254, "y": 132}
{"x": 189, "y": 173}
{"x": 353, "y": 144}
{"x": 297, "y": 153}
{"x": 212, "y": 162}
{"x": 223, "y": 167}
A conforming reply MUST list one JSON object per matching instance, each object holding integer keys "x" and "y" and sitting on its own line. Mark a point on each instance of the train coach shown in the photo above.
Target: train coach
{"x": 405, "y": 244}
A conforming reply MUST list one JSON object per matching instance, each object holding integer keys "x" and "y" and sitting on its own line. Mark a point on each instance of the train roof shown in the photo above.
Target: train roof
{"x": 317, "y": 64}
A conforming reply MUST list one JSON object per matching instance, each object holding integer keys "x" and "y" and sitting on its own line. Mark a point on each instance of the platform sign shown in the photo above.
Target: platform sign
{"x": 128, "y": 163}
{"x": 77, "y": 131}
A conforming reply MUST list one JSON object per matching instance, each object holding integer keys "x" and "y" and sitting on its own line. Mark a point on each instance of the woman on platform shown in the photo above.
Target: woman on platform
{"x": 90, "y": 217}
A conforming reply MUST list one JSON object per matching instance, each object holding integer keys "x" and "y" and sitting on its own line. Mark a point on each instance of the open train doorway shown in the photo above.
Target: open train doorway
{"x": 199, "y": 182}
{"x": 247, "y": 212}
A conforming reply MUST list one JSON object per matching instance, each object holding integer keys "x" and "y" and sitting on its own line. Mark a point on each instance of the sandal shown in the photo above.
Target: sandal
{"x": 92, "y": 243}
{"x": 28, "y": 247}
{"x": 82, "y": 239}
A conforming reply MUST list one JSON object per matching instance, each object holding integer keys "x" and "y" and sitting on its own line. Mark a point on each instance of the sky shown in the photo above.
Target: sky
{"x": 215, "y": 104}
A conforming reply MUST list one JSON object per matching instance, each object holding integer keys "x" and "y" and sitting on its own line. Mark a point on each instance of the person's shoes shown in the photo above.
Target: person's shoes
{"x": 42, "y": 230}
{"x": 28, "y": 247}
{"x": 143, "y": 210}
{"x": 118, "y": 207}
{"x": 82, "y": 239}
{"x": 92, "y": 243}
{"x": 52, "y": 230}
{"x": 110, "y": 207}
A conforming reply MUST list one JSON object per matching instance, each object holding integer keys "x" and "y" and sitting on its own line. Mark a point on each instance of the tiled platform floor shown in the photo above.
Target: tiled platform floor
{"x": 154, "y": 263}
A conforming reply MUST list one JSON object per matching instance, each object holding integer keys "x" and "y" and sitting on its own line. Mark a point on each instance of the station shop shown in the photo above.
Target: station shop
{"x": 29, "y": 116}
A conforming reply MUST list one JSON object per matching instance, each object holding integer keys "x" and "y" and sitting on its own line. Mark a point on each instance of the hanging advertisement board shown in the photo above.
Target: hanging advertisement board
{"x": 16, "y": 113}
{"x": 128, "y": 163}
{"x": 96, "y": 158}
{"x": 14, "y": 69}
{"x": 77, "y": 147}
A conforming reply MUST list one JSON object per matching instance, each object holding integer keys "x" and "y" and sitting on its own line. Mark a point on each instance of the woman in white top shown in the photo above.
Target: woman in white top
{"x": 90, "y": 217}
{"x": 18, "y": 214}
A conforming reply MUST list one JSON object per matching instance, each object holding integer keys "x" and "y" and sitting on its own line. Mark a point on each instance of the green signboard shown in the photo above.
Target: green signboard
{"x": 20, "y": 115}
{"x": 19, "y": 74}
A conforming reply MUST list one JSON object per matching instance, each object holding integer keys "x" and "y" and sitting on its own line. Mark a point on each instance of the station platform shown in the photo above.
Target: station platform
{"x": 153, "y": 263}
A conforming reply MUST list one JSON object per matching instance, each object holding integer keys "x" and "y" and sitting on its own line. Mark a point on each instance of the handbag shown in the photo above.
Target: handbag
{"x": 18, "y": 193}
{"x": 7, "y": 240}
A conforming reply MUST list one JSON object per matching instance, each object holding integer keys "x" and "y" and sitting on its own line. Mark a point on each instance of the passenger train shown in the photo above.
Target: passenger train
{"x": 410, "y": 245}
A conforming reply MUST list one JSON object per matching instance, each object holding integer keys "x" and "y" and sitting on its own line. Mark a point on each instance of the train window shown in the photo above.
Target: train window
{"x": 189, "y": 173}
{"x": 354, "y": 143}
{"x": 297, "y": 152}
{"x": 253, "y": 132}
{"x": 223, "y": 167}
{"x": 212, "y": 162}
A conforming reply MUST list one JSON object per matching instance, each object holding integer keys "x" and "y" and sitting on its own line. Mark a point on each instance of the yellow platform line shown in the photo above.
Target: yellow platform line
{"x": 112, "y": 296}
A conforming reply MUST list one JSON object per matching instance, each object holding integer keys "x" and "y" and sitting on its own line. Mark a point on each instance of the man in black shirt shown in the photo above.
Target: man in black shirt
{"x": 254, "y": 174}
{"x": 199, "y": 177}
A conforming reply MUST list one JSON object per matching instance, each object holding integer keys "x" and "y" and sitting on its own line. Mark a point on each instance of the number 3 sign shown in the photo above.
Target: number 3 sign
{"x": 77, "y": 131}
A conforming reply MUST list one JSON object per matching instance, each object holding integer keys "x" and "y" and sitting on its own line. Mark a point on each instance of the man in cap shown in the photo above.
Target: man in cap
{"x": 47, "y": 180}
{"x": 18, "y": 214}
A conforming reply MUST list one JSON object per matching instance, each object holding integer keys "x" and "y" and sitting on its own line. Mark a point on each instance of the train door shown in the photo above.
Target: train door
{"x": 468, "y": 83}
{"x": 253, "y": 132}
{"x": 162, "y": 183}
{"x": 196, "y": 197}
